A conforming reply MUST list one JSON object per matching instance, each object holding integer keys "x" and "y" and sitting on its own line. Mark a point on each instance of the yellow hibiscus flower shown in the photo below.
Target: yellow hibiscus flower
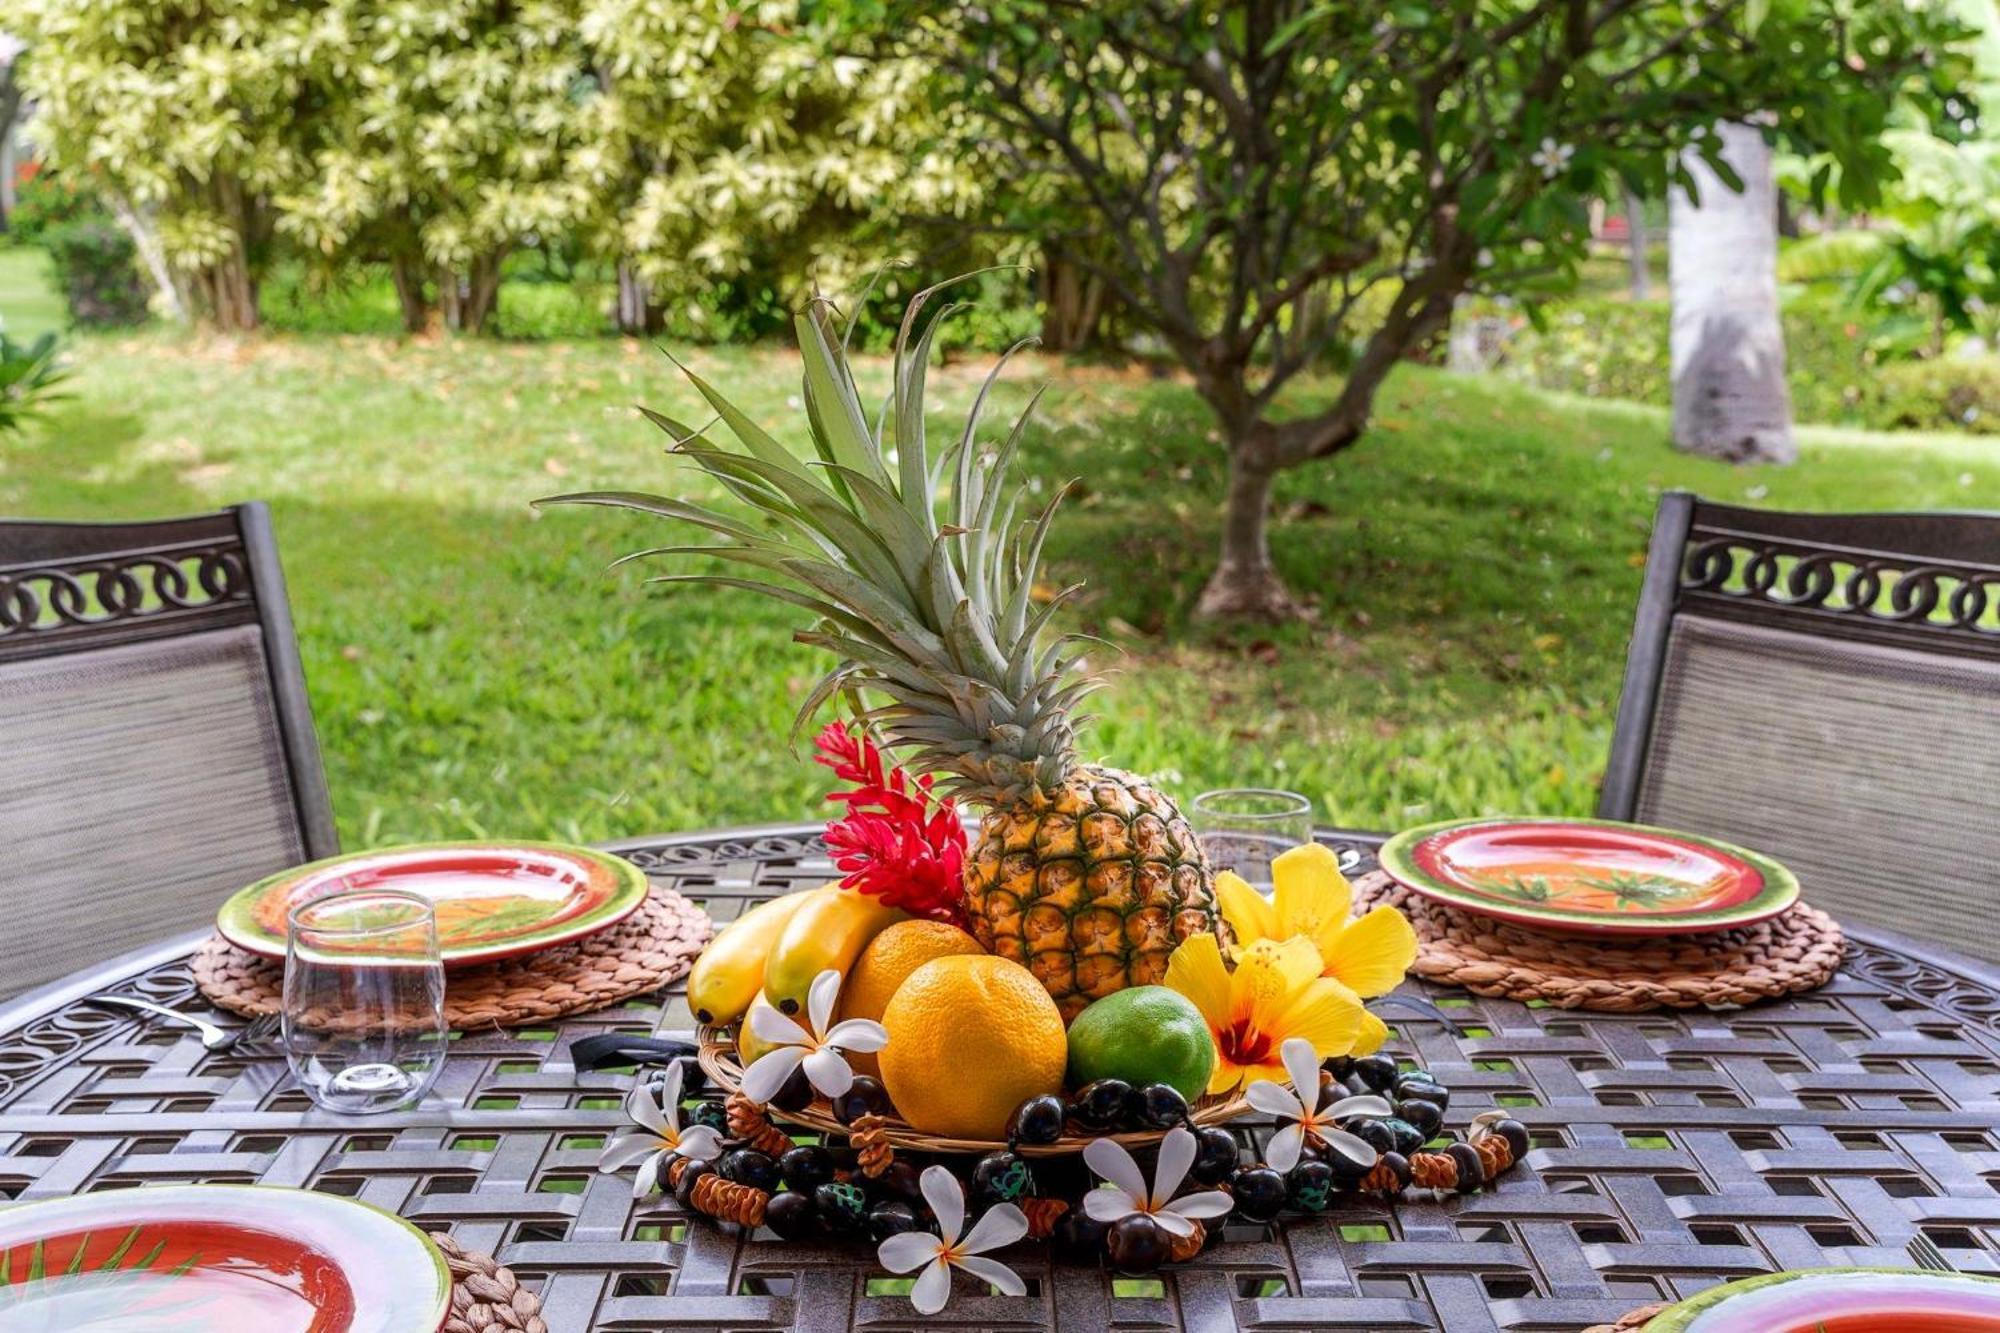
{"x": 1275, "y": 992}
{"x": 1368, "y": 955}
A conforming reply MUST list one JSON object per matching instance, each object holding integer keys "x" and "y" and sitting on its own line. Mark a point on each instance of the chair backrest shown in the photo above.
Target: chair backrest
{"x": 156, "y": 744}
{"x": 1825, "y": 688}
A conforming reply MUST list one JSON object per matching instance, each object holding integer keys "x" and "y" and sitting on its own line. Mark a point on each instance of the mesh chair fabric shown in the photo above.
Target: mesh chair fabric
{"x": 137, "y": 783}
{"x": 1870, "y": 771}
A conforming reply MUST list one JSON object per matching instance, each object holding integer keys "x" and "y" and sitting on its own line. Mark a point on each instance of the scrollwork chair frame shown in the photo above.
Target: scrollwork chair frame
{"x": 99, "y": 623}
{"x": 1827, "y": 685}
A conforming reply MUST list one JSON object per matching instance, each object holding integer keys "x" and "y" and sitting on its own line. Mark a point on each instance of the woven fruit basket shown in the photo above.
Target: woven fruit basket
{"x": 719, "y": 1061}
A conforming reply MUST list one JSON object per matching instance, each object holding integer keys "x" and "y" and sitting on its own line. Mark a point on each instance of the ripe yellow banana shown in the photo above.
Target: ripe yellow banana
{"x": 829, "y": 930}
{"x": 748, "y": 1044}
{"x": 730, "y": 971}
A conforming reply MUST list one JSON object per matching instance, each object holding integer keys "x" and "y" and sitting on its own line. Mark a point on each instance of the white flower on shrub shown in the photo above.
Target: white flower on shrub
{"x": 1552, "y": 158}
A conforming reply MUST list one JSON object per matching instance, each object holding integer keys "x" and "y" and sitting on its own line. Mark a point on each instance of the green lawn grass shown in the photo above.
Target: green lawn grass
{"x": 29, "y": 303}
{"x": 475, "y": 671}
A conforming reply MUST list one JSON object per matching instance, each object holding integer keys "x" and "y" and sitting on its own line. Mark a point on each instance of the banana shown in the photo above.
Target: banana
{"x": 748, "y": 1044}
{"x": 730, "y": 971}
{"x": 830, "y": 930}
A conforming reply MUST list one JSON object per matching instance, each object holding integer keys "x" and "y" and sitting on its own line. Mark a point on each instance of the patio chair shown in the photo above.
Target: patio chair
{"x": 156, "y": 745}
{"x": 1825, "y": 688}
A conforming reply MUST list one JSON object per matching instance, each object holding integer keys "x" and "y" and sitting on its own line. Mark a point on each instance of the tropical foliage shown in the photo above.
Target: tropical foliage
{"x": 30, "y": 376}
{"x": 1270, "y": 183}
{"x": 691, "y": 145}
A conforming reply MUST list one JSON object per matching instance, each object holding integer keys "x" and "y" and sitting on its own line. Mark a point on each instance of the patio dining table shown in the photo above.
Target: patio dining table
{"x": 1670, "y": 1151}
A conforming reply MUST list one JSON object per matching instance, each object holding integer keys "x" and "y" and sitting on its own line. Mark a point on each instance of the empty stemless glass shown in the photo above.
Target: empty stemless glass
{"x": 1244, "y": 828}
{"x": 364, "y": 1000}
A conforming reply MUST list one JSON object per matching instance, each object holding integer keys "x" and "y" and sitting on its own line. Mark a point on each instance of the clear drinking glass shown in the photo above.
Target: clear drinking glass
{"x": 1243, "y": 828}
{"x": 364, "y": 1000}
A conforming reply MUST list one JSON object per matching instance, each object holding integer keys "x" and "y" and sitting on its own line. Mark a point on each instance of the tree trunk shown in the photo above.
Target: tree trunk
{"x": 1728, "y": 347}
{"x": 145, "y": 240}
{"x": 467, "y": 300}
{"x": 1245, "y": 585}
{"x": 408, "y": 275}
{"x": 1072, "y": 304}
{"x": 10, "y": 108}
{"x": 483, "y": 296}
{"x": 224, "y": 291}
{"x": 226, "y": 294}
{"x": 1636, "y": 243}
{"x": 1306, "y": 331}
{"x": 637, "y": 315}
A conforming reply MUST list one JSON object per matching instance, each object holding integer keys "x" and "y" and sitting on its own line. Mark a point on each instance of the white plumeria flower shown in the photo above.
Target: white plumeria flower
{"x": 818, "y": 1049}
{"x": 1128, "y": 1193}
{"x": 659, "y": 1137}
{"x": 1302, "y": 1109}
{"x": 1002, "y": 1225}
{"x": 1552, "y": 157}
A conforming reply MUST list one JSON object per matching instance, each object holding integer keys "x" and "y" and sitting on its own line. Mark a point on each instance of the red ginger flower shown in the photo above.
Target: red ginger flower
{"x": 897, "y": 840}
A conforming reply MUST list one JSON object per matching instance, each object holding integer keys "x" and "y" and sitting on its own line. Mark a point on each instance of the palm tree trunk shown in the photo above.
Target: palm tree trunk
{"x": 1728, "y": 347}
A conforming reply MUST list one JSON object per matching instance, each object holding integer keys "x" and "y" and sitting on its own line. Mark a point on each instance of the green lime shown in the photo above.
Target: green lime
{"x": 1145, "y": 1034}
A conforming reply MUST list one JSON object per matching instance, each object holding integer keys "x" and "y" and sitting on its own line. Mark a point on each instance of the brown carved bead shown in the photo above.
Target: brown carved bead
{"x": 1042, "y": 1215}
{"x": 873, "y": 1153}
{"x": 750, "y": 1123}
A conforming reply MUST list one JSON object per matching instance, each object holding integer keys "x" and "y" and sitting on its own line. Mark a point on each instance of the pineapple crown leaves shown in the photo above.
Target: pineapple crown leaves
{"x": 919, "y": 568}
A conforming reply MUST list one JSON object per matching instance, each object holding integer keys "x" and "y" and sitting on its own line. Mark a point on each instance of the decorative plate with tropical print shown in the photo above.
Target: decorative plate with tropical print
{"x": 252, "y": 1257}
{"x": 1589, "y": 876}
{"x": 493, "y": 899}
{"x": 1841, "y": 1300}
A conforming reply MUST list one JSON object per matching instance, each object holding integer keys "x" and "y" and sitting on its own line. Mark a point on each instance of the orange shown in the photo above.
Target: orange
{"x": 970, "y": 1039}
{"x": 887, "y": 962}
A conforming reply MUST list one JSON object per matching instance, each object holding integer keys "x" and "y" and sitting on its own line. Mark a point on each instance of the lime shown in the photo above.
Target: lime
{"x": 1144, "y": 1034}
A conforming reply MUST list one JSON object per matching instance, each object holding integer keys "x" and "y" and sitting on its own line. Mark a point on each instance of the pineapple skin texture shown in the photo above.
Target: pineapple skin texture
{"x": 1090, "y": 886}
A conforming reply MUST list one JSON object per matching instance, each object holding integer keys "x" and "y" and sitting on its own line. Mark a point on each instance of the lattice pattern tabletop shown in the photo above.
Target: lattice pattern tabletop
{"x": 1670, "y": 1152}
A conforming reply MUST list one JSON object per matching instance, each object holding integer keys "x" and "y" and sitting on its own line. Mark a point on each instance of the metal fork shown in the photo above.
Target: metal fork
{"x": 214, "y": 1039}
{"x": 1925, "y": 1254}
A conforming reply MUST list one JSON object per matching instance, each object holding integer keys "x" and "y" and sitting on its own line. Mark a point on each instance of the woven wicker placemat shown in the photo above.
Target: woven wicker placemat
{"x": 647, "y": 950}
{"x": 1797, "y": 950}
{"x": 486, "y": 1297}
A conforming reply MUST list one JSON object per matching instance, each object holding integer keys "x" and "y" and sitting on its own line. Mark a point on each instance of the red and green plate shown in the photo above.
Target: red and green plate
{"x": 493, "y": 899}
{"x": 1841, "y": 1300}
{"x": 218, "y": 1257}
{"x": 1589, "y": 876}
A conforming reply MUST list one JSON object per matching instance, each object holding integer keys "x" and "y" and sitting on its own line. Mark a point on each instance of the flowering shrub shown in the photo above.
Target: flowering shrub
{"x": 47, "y": 199}
{"x": 1950, "y": 393}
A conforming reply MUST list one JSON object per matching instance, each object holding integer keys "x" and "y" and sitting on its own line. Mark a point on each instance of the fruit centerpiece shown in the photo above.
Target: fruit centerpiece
{"x": 1069, "y": 986}
{"x": 924, "y": 587}
{"x": 956, "y": 1040}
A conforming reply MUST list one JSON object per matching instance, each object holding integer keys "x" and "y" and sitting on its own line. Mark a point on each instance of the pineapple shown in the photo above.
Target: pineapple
{"x": 921, "y": 582}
